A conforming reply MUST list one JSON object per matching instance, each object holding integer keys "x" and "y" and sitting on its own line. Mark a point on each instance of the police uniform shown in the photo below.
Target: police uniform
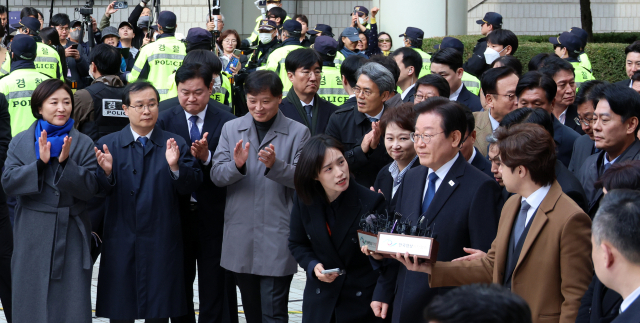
{"x": 254, "y": 35}
{"x": 477, "y": 64}
{"x": 417, "y": 34}
{"x": 584, "y": 37}
{"x": 582, "y": 75}
{"x": 261, "y": 53}
{"x": 331, "y": 88}
{"x": 158, "y": 60}
{"x": 276, "y": 59}
{"x": 585, "y": 62}
{"x": 471, "y": 82}
{"x": 573, "y": 45}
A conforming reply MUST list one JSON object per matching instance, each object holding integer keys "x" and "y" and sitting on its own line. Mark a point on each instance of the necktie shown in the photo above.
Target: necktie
{"x": 372, "y": 119}
{"x": 521, "y": 222}
{"x": 308, "y": 109}
{"x": 143, "y": 141}
{"x": 606, "y": 166}
{"x": 431, "y": 191}
{"x": 194, "y": 133}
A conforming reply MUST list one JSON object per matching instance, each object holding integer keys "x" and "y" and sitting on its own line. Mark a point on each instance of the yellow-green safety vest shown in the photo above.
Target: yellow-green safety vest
{"x": 585, "y": 62}
{"x": 275, "y": 63}
{"x": 471, "y": 82}
{"x": 18, "y": 87}
{"x": 47, "y": 61}
{"x": 331, "y": 86}
{"x": 254, "y": 35}
{"x": 339, "y": 59}
{"x": 224, "y": 96}
{"x": 426, "y": 62}
{"x": 161, "y": 58}
{"x": 581, "y": 74}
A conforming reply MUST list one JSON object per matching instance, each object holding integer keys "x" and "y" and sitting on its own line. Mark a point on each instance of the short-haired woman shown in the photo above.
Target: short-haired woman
{"x": 229, "y": 41}
{"x": 325, "y": 217}
{"x": 50, "y": 167}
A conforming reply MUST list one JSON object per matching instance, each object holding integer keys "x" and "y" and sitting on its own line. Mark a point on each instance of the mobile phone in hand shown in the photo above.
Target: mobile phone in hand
{"x": 332, "y": 271}
{"x": 120, "y": 5}
{"x": 74, "y": 46}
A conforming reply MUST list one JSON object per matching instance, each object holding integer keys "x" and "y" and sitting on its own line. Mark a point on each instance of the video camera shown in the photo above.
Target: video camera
{"x": 87, "y": 10}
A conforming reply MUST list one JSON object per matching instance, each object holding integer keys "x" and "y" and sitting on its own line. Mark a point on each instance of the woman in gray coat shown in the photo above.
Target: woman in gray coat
{"x": 51, "y": 169}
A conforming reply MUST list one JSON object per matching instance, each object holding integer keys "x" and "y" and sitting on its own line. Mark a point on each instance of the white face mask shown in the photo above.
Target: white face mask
{"x": 361, "y": 21}
{"x": 265, "y": 38}
{"x": 270, "y": 6}
{"x": 91, "y": 74}
{"x": 491, "y": 55}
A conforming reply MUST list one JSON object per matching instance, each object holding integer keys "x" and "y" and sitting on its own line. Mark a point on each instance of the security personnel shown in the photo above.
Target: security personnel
{"x": 413, "y": 38}
{"x": 291, "y": 32}
{"x": 567, "y": 46}
{"x": 253, "y": 39}
{"x": 18, "y": 85}
{"x": 583, "y": 58}
{"x": 97, "y": 109}
{"x": 224, "y": 94}
{"x": 477, "y": 64}
{"x": 157, "y": 61}
{"x": 268, "y": 33}
{"x": 331, "y": 88}
{"x": 363, "y": 18}
{"x": 47, "y": 60}
{"x": 471, "y": 82}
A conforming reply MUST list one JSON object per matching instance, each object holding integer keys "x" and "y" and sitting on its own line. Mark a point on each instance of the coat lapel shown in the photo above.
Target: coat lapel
{"x": 412, "y": 185}
{"x": 350, "y": 211}
{"x": 508, "y": 216}
{"x": 211, "y": 122}
{"x": 449, "y": 184}
{"x": 180, "y": 124}
{"x": 278, "y": 127}
{"x": 250, "y": 133}
{"x": 319, "y": 223}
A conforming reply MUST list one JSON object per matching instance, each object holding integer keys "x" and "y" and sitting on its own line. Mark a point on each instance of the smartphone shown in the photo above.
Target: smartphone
{"x": 332, "y": 271}
{"x": 237, "y": 52}
{"x": 74, "y": 46}
{"x": 120, "y": 5}
{"x": 233, "y": 62}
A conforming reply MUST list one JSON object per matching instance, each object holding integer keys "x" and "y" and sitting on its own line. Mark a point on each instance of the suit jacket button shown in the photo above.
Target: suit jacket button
{"x": 317, "y": 290}
{"x": 131, "y": 193}
{"x": 359, "y": 294}
{"x": 354, "y": 240}
{"x": 57, "y": 193}
{"x": 135, "y": 172}
{"x": 308, "y": 236}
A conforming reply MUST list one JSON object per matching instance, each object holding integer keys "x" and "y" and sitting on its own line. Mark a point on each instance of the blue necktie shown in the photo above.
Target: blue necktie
{"x": 143, "y": 141}
{"x": 372, "y": 119}
{"x": 521, "y": 221}
{"x": 194, "y": 133}
{"x": 431, "y": 191}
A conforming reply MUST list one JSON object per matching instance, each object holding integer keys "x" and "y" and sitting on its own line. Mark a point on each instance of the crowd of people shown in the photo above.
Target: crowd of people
{"x": 241, "y": 160}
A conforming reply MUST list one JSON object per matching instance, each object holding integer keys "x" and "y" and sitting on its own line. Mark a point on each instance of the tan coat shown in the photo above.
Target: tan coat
{"x": 554, "y": 268}
{"x": 483, "y": 129}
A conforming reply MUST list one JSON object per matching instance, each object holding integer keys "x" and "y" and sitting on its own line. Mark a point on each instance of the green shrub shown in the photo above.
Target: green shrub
{"x": 607, "y": 59}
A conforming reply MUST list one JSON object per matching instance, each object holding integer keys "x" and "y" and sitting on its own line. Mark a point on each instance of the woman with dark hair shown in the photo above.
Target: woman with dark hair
{"x": 229, "y": 41}
{"x": 325, "y": 217}
{"x": 385, "y": 43}
{"x": 397, "y": 124}
{"x": 51, "y": 169}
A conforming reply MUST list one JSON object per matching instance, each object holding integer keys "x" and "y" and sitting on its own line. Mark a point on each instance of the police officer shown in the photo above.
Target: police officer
{"x": 97, "y": 109}
{"x": 362, "y": 20}
{"x": 413, "y": 38}
{"x": 47, "y": 60}
{"x": 584, "y": 36}
{"x": 156, "y": 61}
{"x": 253, "y": 39}
{"x": 291, "y": 32}
{"x": 268, "y": 33}
{"x": 471, "y": 82}
{"x": 568, "y": 46}
{"x": 320, "y": 30}
{"x": 18, "y": 85}
{"x": 331, "y": 88}
{"x": 476, "y": 65}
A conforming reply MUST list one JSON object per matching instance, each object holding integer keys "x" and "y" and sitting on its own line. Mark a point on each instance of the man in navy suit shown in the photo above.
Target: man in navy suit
{"x": 616, "y": 249}
{"x": 447, "y": 63}
{"x": 456, "y": 202}
{"x": 632, "y": 62}
{"x": 471, "y": 153}
{"x": 303, "y": 104}
{"x": 201, "y": 212}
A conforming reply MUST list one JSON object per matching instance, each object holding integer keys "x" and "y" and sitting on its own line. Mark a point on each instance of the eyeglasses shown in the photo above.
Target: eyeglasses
{"x": 421, "y": 97}
{"x": 579, "y": 121}
{"x": 230, "y": 41}
{"x": 141, "y": 108}
{"x": 62, "y": 28}
{"x": 384, "y": 41}
{"x": 425, "y": 138}
{"x": 509, "y": 97}
{"x": 358, "y": 90}
{"x": 308, "y": 73}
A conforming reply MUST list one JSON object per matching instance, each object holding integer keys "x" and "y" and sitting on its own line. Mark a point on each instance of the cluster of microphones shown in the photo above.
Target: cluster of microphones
{"x": 381, "y": 222}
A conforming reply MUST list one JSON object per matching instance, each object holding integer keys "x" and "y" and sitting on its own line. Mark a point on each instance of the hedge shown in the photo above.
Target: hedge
{"x": 607, "y": 59}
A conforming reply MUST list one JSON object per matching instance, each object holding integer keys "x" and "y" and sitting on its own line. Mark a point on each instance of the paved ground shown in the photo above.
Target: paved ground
{"x": 295, "y": 297}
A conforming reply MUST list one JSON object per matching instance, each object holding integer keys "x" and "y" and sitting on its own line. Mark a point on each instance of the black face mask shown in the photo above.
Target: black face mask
{"x": 312, "y": 38}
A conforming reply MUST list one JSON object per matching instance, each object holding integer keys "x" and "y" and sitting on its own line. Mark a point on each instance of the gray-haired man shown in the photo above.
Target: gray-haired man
{"x": 358, "y": 128}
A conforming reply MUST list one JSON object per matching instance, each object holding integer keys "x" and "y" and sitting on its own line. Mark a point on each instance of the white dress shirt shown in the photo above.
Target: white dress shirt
{"x": 494, "y": 123}
{"x": 473, "y": 155}
{"x": 563, "y": 116}
{"x": 441, "y": 172}
{"x": 454, "y": 96}
{"x": 199, "y": 124}
{"x": 310, "y": 103}
{"x": 377, "y": 116}
{"x": 629, "y": 300}
{"x": 405, "y": 92}
{"x": 534, "y": 201}
{"x": 606, "y": 161}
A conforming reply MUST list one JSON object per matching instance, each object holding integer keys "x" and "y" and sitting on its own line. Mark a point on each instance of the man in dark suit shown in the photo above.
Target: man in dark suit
{"x": 303, "y": 104}
{"x": 563, "y": 73}
{"x": 201, "y": 212}
{"x": 537, "y": 90}
{"x": 600, "y": 304}
{"x": 632, "y": 63}
{"x": 453, "y": 200}
{"x": 170, "y": 103}
{"x": 616, "y": 249}
{"x": 470, "y": 153}
{"x": 348, "y": 71}
{"x": 584, "y": 146}
{"x": 447, "y": 62}
{"x": 410, "y": 65}
{"x": 357, "y": 126}
{"x": 615, "y": 129}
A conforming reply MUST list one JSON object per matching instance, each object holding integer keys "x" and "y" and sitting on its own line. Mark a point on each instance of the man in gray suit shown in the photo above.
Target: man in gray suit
{"x": 255, "y": 159}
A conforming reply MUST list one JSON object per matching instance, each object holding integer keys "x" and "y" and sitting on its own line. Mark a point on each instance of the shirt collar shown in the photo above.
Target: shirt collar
{"x": 200, "y": 115}
{"x": 535, "y": 199}
{"x": 473, "y": 155}
{"x": 456, "y": 94}
{"x": 444, "y": 169}
{"x": 396, "y": 174}
{"x": 629, "y": 300}
{"x": 136, "y": 135}
{"x": 406, "y": 92}
{"x": 605, "y": 160}
{"x": 563, "y": 116}
{"x": 310, "y": 103}
{"x": 377, "y": 116}
{"x": 494, "y": 123}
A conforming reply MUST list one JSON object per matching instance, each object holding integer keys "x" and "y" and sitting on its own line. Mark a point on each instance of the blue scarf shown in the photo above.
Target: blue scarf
{"x": 55, "y": 135}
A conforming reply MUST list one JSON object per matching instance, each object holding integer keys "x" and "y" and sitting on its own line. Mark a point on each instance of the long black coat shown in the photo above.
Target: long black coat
{"x": 141, "y": 269}
{"x": 564, "y": 138}
{"x": 464, "y": 213}
{"x": 599, "y": 304}
{"x": 583, "y": 147}
{"x": 476, "y": 65}
{"x": 349, "y": 296}
{"x": 469, "y": 99}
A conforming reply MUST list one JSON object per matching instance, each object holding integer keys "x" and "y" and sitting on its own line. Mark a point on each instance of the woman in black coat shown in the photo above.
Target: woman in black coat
{"x": 397, "y": 124}
{"x": 326, "y": 214}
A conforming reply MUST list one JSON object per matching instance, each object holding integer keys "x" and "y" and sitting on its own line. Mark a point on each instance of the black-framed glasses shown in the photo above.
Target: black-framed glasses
{"x": 140, "y": 108}
{"x": 586, "y": 122}
{"x": 509, "y": 96}
{"x": 425, "y": 138}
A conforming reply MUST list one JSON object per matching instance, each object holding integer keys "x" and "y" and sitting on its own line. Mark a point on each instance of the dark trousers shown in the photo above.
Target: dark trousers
{"x": 204, "y": 254}
{"x": 6, "y": 250}
{"x": 166, "y": 320}
{"x": 265, "y": 299}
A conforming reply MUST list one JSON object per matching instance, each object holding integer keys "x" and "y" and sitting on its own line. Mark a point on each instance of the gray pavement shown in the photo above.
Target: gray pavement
{"x": 295, "y": 297}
